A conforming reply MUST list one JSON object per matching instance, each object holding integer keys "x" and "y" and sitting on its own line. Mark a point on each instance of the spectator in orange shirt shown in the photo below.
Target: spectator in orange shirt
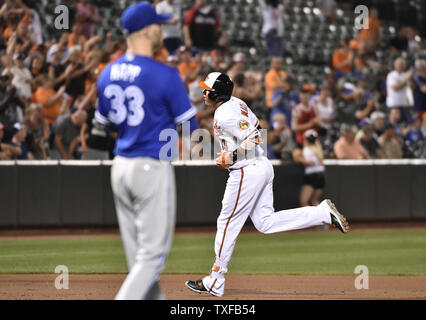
{"x": 274, "y": 79}
{"x": 162, "y": 55}
{"x": 371, "y": 35}
{"x": 50, "y": 99}
{"x": 343, "y": 58}
{"x": 76, "y": 37}
{"x": 347, "y": 147}
{"x": 188, "y": 68}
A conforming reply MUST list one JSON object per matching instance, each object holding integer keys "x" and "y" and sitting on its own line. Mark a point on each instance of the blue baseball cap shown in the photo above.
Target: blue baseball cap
{"x": 139, "y": 16}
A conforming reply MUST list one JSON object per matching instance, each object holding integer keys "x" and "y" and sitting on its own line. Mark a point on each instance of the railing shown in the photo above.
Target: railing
{"x": 78, "y": 192}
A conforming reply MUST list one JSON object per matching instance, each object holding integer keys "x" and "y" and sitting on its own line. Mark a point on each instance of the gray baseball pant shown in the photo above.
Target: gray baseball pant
{"x": 145, "y": 201}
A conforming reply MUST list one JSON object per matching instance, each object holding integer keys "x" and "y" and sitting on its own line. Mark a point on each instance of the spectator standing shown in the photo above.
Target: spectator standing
{"x": 285, "y": 99}
{"x": 246, "y": 88}
{"x": 419, "y": 92}
{"x": 195, "y": 95}
{"x": 328, "y": 8}
{"x": 171, "y": 28}
{"x": 280, "y": 138}
{"x": 23, "y": 40}
{"x": 218, "y": 62}
{"x": 56, "y": 70}
{"x": 238, "y": 65}
{"x": 201, "y": 26}
{"x": 37, "y": 131}
{"x": 314, "y": 177}
{"x": 96, "y": 139}
{"x": 400, "y": 41}
{"x": 67, "y": 134}
{"x": 414, "y": 139}
{"x": 347, "y": 147}
{"x": 369, "y": 142}
{"x": 22, "y": 78}
{"x": 359, "y": 101}
{"x": 76, "y": 37}
{"x": 304, "y": 115}
{"x": 343, "y": 59}
{"x": 371, "y": 34}
{"x": 274, "y": 79}
{"x": 399, "y": 93}
{"x": 18, "y": 143}
{"x": 11, "y": 105}
{"x": 325, "y": 106}
{"x": 273, "y": 26}
{"x": 60, "y": 47}
{"x": 333, "y": 87}
{"x": 4, "y": 153}
{"x": 76, "y": 80}
{"x": 72, "y": 12}
{"x": 394, "y": 118}
{"x": 390, "y": 144}
{"x": 34, "y": 26}
{"x": 8, "y": 150}
{"x": 378, "y": 120}
{"x": 48, "y": 98}
{"x": 188, "y": 68}
{"x": 37, "y": 65}
{"x": 87, "y": 15}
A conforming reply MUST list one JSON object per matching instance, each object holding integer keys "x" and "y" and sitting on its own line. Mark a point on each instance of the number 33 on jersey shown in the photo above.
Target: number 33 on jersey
{"x": 134, "y": 97}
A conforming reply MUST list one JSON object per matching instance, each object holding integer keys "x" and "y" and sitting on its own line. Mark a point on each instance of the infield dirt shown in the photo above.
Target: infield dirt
{"x": 239, "y": 287}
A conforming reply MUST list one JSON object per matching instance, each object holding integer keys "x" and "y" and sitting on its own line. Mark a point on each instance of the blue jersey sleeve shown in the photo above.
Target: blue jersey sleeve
{"x": 178, "y": 100}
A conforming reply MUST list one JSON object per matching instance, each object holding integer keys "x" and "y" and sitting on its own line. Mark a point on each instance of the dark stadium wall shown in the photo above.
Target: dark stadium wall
{"x": 73, "y": 196}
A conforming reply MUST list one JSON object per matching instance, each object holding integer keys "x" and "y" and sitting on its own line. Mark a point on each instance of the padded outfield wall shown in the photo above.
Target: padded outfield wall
{"x": 78, "y": 193}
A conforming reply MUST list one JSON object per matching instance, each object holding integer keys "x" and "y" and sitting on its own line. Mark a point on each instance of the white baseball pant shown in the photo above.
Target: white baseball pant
{"x": 249, "y": 193}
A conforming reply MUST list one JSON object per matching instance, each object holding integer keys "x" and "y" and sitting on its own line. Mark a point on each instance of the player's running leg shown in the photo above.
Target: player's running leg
{"x": 266, "y": 220}
{"x": 237, "y": 202}
{"x": 240, "y": 198}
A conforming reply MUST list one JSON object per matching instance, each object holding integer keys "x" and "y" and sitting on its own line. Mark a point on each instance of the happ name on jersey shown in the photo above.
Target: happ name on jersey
{"x": 124, "y": 72}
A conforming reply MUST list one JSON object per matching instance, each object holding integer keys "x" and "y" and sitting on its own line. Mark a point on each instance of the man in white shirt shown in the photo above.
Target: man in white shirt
{"x": 273, "y": 26}
{"x": 399, "y": 94}
{"x": 172, "y": 27}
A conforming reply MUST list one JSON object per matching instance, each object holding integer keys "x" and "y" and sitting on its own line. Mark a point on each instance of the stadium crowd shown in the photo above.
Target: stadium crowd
{"x": 48, "y": 84}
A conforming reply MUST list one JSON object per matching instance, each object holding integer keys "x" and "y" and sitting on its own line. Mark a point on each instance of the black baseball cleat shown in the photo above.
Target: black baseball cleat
{"x": 337, "y": 219}
{"x": 196, "y": 286}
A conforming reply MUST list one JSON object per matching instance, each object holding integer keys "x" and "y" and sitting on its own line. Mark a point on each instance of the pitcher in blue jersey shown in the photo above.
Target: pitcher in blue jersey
{"x": 141, "y": 97}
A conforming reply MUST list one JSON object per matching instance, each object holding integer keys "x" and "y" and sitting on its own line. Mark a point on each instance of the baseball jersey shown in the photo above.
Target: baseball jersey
{"x": 141, "y": 97}
{"x": 233, "y": 123}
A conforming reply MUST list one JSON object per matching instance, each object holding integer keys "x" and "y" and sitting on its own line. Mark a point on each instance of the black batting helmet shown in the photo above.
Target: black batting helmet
{"x": 219, "y": 86}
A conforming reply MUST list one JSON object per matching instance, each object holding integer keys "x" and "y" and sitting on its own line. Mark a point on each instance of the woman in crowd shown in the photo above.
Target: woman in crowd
{"x": 314, "y": 177}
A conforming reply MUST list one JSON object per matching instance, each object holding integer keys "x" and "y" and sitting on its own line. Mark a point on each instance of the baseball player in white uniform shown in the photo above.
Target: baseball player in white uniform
{"x": 248, "y": 190}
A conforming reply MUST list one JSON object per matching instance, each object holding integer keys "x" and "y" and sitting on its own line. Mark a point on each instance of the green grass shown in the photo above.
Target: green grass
{"x": 383, "y": 252}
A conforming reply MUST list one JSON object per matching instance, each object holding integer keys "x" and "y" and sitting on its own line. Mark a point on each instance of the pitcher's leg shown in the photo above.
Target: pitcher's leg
{"x": 125, "y": 212}
{"x": 154, "y": 222}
